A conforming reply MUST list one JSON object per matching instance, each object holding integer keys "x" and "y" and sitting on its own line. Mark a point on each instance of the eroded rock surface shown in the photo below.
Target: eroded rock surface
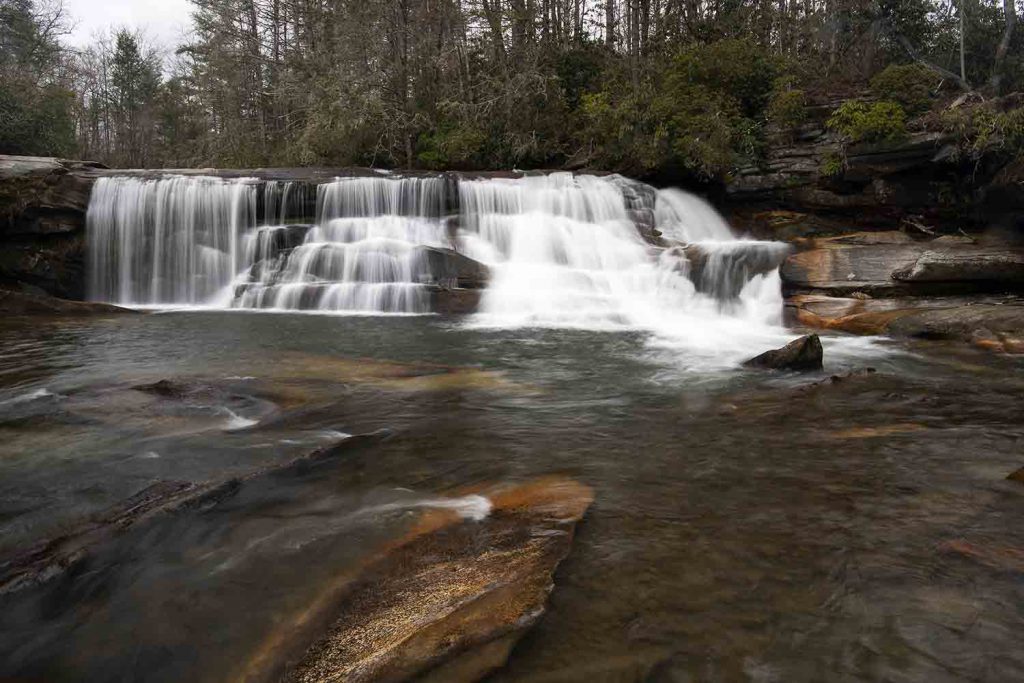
{"x": 447, "y": 601}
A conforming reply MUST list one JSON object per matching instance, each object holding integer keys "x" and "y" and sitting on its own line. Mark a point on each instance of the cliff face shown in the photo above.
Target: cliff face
{"x": 810, "y": 185}
{"x": 43, "y": 203}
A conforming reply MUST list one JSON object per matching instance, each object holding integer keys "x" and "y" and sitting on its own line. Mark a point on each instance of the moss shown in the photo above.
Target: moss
{"x": 859, "y": 121}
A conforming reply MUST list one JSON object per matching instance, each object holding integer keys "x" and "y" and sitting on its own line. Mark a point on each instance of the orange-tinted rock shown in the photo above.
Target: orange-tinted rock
{"x": 448, "y": 600}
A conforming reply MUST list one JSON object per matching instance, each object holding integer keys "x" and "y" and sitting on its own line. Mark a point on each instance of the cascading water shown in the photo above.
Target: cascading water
{"x": 169, "y": 240}
{"x": 363, "y": 255}
{"x": 566, "y": 252}
{"x": 563, "y": 250}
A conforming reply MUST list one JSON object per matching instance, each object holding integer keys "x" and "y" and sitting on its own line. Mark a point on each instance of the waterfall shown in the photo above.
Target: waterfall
{"x": 363, "y": 255}
{"x": 560, "y": 250}
{"x": 169, "y": 240}
{"x": 565, "y": 250}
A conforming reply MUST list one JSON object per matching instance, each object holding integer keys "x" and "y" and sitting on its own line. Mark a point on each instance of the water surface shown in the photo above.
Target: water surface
{"x": 747, "y": 526}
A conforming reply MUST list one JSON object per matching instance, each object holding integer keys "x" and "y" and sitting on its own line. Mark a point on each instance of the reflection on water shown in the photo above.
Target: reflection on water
{"x": 746, "y": 526}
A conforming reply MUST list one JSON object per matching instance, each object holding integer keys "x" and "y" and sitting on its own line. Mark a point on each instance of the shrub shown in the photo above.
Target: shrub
{"x": 832, "y": 165}
{"x": 787, "y": 107}
{"x": 984, "y": 130}
{"x": 739, "y": 67}
{"x": 858, "y": 121}
{"x": 909, "y": 85}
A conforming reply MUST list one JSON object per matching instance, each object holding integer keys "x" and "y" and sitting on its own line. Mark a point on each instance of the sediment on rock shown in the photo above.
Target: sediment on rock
{"x": 446, "y": 602}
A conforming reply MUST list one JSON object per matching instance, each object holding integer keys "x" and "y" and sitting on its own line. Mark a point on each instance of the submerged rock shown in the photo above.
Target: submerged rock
{"x": 14, "y": 302}
{"x": 803, "y": 354}
{"x": 447, "y": 602}
{"x": 51, "y": 558}
{"x": 1016, "y": 475}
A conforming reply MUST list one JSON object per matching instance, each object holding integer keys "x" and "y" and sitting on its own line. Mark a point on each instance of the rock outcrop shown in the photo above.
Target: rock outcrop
{"x": 42, "y": 220}
{"x": 992, "y": 323}
{"x": 14, "y": 302}
{"x": 447, "y": 602}
{"x": 802, "y": 355}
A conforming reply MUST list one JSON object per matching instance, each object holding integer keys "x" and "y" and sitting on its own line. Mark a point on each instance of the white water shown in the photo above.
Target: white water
{"x": 172, "y": 240}
{"x": 564, "y": 251}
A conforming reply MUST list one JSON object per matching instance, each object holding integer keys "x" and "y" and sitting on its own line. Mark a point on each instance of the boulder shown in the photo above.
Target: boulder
{"x": 802, "y": 354}
{"x": 449, "y": 268}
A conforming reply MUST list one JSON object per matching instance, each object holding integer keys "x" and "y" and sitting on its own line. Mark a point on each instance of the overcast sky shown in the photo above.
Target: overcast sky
{"x": 165, "y": 21}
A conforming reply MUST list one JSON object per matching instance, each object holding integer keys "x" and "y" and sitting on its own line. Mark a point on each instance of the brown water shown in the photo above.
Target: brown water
{"x": 746, "y": 526}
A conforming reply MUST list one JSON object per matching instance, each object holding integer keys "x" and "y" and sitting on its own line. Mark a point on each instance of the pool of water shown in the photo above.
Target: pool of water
{"x": 746, "y": 525}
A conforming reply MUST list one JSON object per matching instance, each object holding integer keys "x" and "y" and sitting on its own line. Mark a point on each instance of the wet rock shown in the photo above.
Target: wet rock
{"x": 1016, "y": 475}
{"x": 14, "y": 302}
{"x": 802, "y": 354}
{"x": 454, "y": 301}
{"x": 51, "y": 558}
{"x": 446, "y": 602}
{"x": 994, "y": 323}
{"x": 998, "y": 557}
{"x": 722, "y": 271}
{"x": 451, "y": 269}
{"x": 997, "y": 266}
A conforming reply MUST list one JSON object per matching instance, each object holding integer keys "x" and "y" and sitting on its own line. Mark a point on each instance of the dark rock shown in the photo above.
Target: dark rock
{"x": 21, "y": 303}
{"x": 51, "y": 558}
{"x": 454, "y": 301}
{"x": 1002, "y": 266}
{"x": 1016, "y": 475}
{"x": 449, "y": 268}
{"x": 724, "y": 270}
{"x": 803, "y": 354}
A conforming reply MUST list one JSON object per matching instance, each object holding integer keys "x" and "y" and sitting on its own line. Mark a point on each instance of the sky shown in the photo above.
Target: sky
{"x": 163, "y": 21}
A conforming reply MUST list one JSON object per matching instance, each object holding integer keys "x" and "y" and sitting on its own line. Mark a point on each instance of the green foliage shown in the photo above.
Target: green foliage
{"x": 910, "y": 85}
{"x": 858, "y": 121}
{"x": 833, "y": 165}
{"x": 984, "y": 130}
{"x": 700, "y": 114}
{"x": 579, "y": 70}
{"x": 36, "y": 121}
{"x": 737, "y": 67}
{"x": 451, "y": 145}
{"x": 787, "y": 104}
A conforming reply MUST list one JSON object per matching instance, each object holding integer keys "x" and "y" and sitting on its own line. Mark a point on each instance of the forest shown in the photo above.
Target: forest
{"x": 685, "y": 88}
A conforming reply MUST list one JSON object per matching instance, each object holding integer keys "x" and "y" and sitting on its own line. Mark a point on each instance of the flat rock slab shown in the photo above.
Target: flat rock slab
{"x": 446, "y": 602}
{"x": 988, "y": 322}
{"x": 22, "y": 303}
{"x": 895, "y": 266}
